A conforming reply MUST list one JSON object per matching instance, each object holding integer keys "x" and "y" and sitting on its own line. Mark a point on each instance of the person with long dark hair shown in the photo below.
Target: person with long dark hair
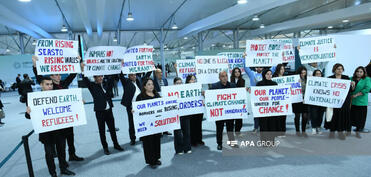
{"x": 195, "y": 120}
{"x": 340, "y": 120}
{"x": 236, "y": 77}
{"x": 361, "y": 85}
{"x": 316, "y": 112}
{"x": 301, "y": 108}
{"x": 280, "y": 72}
{"x": 269, "y": 126}
{"x": 151, "y": 143}
{"x": 182, "y": 137}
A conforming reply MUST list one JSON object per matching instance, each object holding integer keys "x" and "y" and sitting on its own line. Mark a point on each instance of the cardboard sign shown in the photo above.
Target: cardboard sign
{"x": 209, "y": 67}
{"x": 138, "y": 59}
{"x": 295, "y": 86}
{"x": 56, "y": 109}
{"x": 271, "y": 101}
{"x": 190, "y": 100}
{"x": 57, "y": 56}
{"x": 185, "y": 68}
{"x": 103, "y": 60}
{"x": 222, "y": 104}
{"x": 263, "y": 53}
{"x": 235, "y": 60}
{"x": 155, "y": 116}
{"x": 317, "y": 49}
{"x": 326, "y": 92}
{"x": 287, "y": 49}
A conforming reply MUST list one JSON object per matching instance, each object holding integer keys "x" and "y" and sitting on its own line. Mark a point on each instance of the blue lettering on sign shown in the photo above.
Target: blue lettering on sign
{"x": 142, "y": 129}
{"x": 190, "y": 104}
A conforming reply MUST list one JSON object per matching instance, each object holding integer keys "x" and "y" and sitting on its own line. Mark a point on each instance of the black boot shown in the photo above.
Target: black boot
{"x": 74, "y": 157}
{"x": 67, "y": 172}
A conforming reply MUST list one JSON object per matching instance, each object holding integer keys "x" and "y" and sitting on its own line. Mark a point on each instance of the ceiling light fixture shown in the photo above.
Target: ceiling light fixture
{"x": 34, "y": 42}
{"x": 185, "y": 38}
{"x": 256, "y": 18}
{"x": 262, "y": 26}
{"x": 174, "y": 27}
{"x": 64, "y": 28}
{"x": 24, "y": 0}
{"x": 345, "y": 21}
{"x": 130, "y": 15}
{"x": 330, "y": 27}
{"x": 241, "y": 1}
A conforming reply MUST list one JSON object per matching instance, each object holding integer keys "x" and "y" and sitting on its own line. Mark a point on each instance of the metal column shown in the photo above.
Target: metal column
{"x": 162, "y": 52}
{"x": 21, "y": 43}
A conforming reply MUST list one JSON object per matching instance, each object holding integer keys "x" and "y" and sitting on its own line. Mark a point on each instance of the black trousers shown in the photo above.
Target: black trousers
{"x": 103, "y": 117}
{"x": 237, "y": 125}
{"x": 152, "y": 148}
{"x": 70, "y": 142}
{"x": 220, "y": 128}
{"x": 316, "y": 115}
{"x": 61, "y": 152}
{"x": 196, "y": 128}
{"x": 182, "y": 138}
{"x": 131, "y": 124}
{"x": 359, "y": 114}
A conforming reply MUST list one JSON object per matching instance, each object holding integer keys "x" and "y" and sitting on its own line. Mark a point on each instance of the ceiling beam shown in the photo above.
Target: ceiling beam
{"x": 231, "y": 14}
{"x": 81, "y": 6}
{"x": 354, "y": 13}
{"x": 15, "y": 21}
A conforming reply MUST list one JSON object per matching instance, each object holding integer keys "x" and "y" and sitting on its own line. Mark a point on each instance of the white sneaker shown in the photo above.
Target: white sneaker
{"x": 314, "y": 131}
{"x": 319, "y": 131}
{"x": 189, "y": 152}
{"x": 180, "y": 153}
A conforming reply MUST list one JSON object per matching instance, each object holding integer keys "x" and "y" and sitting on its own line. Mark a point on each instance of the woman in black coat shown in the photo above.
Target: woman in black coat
{"x": 269, "y": 126}
{"x": 151, "y": 143}
{"x": 236, "y": 77}
{"x": 340, "y": 120}
{"x": 280, "y": 72}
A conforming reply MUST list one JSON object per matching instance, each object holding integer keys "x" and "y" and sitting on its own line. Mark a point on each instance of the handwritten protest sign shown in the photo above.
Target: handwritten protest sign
{"x": 235, "y": 60}
{"x": 185, "y": 68}
{"x": 103, "y": 60}
{"x": 295, "y": 86}
{"x": 209, "y": 67}
{"x": 138, "y": 59}
{"x": 189, "y": 98}
{"x": 271, "y": 101}
{"x": 287, "y": 49}
{"x": 57, "y": 56}
{"x": 326, "y": 92}
{"x": 56, "y": 109}
{"x": 155, "y": 116}
{"x": 317, "y": 49}
{"x": 263, "y": 53}
{"x": 225, "y": 104}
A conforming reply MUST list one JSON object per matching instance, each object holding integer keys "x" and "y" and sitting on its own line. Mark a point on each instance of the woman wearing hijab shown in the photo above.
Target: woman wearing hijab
{"x": 268, "y": 125}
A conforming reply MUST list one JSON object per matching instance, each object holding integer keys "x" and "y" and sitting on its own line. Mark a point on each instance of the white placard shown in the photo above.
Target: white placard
{"x": 190, "y": 100}
{"x": 209, "y": 67}
{"x": 56, "y": 109}
{"x": 57, "y": 56}
{"x": 103, "y": 60}
{"x": 185, "y": 68}
{"x": 235, "y": 60}
{"x": 223, "y": 104}
{"x": 326, "y": 92}
{"x": 295, "y": 86}
{"x": 317, "y": 49}
{"x": 155, "y": 116}
{"x": 263, "y": 53}
{"x": 269, "y": 101}
{"x": 138, "y": 59}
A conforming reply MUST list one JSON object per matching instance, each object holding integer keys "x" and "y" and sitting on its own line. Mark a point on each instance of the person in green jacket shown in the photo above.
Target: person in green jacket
{"x": 361, "y": 85}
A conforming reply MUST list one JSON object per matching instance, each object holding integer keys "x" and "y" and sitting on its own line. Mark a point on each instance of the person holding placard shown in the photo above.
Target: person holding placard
{"x": 151, "y": 143}
{"x": 340, "y": 119}
{"x": 62, "y": 84}
{"x": 255, "y": 76}
{"x": 316, "y": 112}
{"x": 158, "y": 82}
{"x": 102, "y": 96}
{"x": 131, "y": 86}
{"x": 196, "y": 120}
{"x": 361, "y": 85}
{"x": 268, "y": 125}
{"x": 52, "y": 139}
{"x": 182, "y": 137}
{"x": 280, "y": 72}
{"x": 236, "y": 77}
{"x": 301, "y": 108}
{"x": 223, "y": 84}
